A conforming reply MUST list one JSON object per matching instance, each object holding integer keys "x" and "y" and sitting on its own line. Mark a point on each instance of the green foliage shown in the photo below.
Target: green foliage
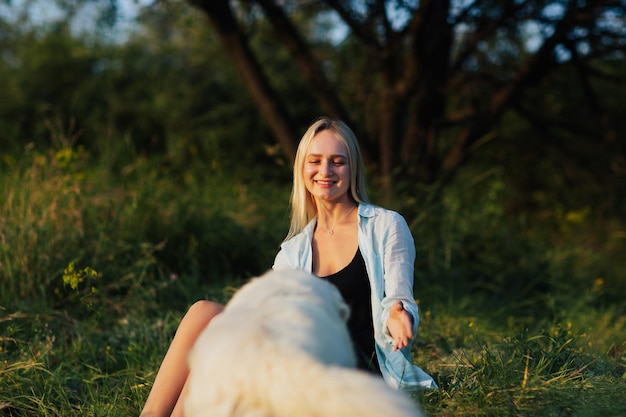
{"x": 473, "y": 240}
{"x": 101, "y": 256}
{"x": 65, "y": 218}
{"x": 167, "y": 90}
{"x": 521, "y": 309}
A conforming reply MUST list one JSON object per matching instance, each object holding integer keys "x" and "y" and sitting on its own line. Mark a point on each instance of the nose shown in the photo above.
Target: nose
{"x": 326, "y": 168}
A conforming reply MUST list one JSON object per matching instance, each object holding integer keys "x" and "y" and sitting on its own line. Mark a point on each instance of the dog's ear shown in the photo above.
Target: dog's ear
{"x": 342, "y": 308}
{"x": 344, "y": 312}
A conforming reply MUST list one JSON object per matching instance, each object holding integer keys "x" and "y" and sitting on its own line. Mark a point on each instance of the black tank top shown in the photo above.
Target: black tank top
{"x": 354, "y": 286}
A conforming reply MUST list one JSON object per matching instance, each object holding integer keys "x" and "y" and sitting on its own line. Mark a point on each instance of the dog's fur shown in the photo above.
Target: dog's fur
{"x": 281, "y": 349}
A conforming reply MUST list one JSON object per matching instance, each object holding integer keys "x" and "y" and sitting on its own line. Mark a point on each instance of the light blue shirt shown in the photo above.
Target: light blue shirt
{"x": 387, "y": 246}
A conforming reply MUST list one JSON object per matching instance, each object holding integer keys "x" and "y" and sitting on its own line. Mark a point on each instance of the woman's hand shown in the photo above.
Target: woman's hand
{"x": 400, "y": 326}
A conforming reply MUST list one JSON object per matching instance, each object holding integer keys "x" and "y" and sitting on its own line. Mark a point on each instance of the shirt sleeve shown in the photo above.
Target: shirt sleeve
{"x": 398, "y": 267}
{"x": 281, "y": 262}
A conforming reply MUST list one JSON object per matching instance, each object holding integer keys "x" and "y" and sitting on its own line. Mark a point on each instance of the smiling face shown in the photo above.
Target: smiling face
{"x": 326, "y": 168}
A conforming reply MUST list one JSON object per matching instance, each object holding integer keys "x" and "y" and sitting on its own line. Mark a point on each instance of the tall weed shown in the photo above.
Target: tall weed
{"x": 140, "y": 229}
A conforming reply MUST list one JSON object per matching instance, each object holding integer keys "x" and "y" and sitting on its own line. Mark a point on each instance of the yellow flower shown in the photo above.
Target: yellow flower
{"x": 577, "y": 216}
{"x": 74, "y": 277}
{"x": 598, "y": 282}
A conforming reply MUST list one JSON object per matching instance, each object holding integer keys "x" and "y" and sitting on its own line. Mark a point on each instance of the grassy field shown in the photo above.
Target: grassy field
{"x": 99, "y": 259}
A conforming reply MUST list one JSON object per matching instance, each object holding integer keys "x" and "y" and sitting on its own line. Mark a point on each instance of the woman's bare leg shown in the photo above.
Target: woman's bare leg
{"x": 163, "y": 400}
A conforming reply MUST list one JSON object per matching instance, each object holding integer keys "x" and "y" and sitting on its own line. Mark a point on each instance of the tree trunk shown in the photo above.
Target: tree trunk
{"x": 221, "y": 16}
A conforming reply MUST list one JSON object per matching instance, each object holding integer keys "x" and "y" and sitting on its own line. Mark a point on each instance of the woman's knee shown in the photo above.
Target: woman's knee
{"x": 206, "y": 307}
{"x": 202, "y": 312}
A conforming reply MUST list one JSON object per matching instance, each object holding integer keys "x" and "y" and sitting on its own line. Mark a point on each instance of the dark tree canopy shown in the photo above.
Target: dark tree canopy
{"x": 424, "y": 83}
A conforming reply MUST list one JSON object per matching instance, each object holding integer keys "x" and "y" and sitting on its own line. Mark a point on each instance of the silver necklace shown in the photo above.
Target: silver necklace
{"x": 330, "y": 229}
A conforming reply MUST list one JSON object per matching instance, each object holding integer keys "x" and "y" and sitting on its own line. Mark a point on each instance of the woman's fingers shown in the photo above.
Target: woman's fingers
{"x": 400, "y": 326}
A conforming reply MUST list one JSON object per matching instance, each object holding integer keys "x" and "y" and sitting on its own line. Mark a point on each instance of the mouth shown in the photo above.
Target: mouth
{"x": 324, "y": 183}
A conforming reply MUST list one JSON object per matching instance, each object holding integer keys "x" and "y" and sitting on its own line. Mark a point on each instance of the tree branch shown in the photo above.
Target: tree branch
{"x": 303, "y": 57}
{"x": 536, "y": 66}
{"x": 361, "y": 31}
{"x": 236, "y": 46}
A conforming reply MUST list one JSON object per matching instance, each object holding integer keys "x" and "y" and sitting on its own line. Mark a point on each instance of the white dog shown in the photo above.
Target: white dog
{"x": 281, "y": 349}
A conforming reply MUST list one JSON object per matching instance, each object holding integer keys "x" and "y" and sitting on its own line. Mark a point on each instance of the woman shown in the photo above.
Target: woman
{"x": 336, "y": 234}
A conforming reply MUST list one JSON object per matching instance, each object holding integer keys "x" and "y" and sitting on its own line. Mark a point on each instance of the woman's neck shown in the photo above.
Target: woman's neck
{"x": 332, "y": 215}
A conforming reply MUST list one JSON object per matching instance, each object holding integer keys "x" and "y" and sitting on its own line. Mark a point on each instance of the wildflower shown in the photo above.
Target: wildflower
{"x": 598, "y": 283}
{"x": 577, "y": 216}
{"x": 74, "y": 277}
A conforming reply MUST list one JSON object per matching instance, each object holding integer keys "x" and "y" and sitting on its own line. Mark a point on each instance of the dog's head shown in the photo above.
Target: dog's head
{"x": 296, "y": 285}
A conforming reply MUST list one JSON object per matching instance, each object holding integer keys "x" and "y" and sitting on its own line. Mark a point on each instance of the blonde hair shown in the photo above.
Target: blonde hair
{"x": 303, "y": 207}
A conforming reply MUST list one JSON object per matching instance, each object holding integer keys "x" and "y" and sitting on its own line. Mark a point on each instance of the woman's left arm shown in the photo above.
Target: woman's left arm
{"x": 400, "y": 313}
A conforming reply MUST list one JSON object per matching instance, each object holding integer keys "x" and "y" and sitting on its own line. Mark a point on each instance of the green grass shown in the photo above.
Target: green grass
{"x": 57, "y": 365}
{"x": 99, "y": 259}
{"x": 529, "y": 368}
